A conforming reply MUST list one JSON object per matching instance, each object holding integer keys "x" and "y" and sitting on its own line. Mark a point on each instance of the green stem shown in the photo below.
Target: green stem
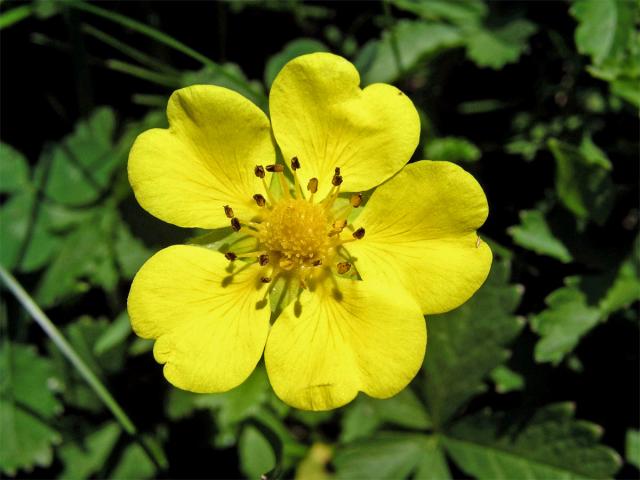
{"x": 143, "y": 73}
{"x": 149, "y": 100}
{"x": 67, "y": 350}
{"x": 15, "y": 15}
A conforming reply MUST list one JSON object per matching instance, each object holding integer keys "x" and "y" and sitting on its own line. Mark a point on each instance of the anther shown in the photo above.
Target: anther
{"x": 260, "y": 200}
{"x": 343, "y": 267}
{"x": 265, "y": 279}
{"x": 259, "y": 171}
{"x": 339, "y": 224}
{"x": 295, "y": 163}
{"x": 312, "y": 186}
{"x": 263, "y": 259}
{"x": 275, "y": 168}
{"x": 317, "y": 263}
{"x": 337, "y": 178}
{"x": 359, "y": 233}
{"x": 230, "y": 256}
{"x": 228, "y": 211}
{"x": 235, "y": 224}
{"x": 356, "y": 200}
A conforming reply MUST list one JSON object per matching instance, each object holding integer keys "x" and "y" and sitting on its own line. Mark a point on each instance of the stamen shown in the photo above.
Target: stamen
{"x": 235, "y": 224}
{"x": 359, "y": 233}
{"x": 265, "y": 279}
{"x": 317, "y": 263}
{"x": 336, "y": 181}
{"x": 263, "y": 259}
{"x": 295, "y": 164}
{"x": 230, "y": 256}
{"x": 228, "y": 211}
{"x": 259, "y": 171}
{"x": 260, "y": 200}
{"x": 275, "y": 168}
{"x": 356, "y": 200}
{"x": 312, "y": 186}
{"x": 343, "y": 267}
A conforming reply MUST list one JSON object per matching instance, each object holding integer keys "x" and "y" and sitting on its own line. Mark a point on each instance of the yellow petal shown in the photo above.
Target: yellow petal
{"x": 342, "y": 338}
{"x": 320, "y": 114}
{"x": 186, "y": 174}
{"x": 210, "y": 326}
{"x": 420, "y": 231}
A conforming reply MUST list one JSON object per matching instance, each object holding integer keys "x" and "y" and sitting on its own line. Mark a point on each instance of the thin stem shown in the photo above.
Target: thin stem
{"x": 139, "y": 72}
{"x": 15, "y": 15}
{"x": 149, "y": 100}
{"x": 67, "y": 350}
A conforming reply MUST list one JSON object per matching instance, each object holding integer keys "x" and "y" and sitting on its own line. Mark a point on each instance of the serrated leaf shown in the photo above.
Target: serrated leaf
{"x": 507, "y": 380}
{"x": 626, "y": 287}
{"x": 534, "y": 234}
{"x": 366, "y": 415}
{"x": 549, "y": 443}
{"x": 26, "y": 406}
{"x": 257, "y": 456}
{"x": 130, "y": 252}
{"x": 14, "y": 170}
{"x": 460, "y": 12}
{"x": 390, "y": 455}
{"x": 87, "y": 457}
{"x": 134, "y": 463}
{"x": 495, "y": 48}
{"x": 114, "y": 335}
{"x": 466, "y": 344}
{"x": 632, "y": 448}
{"x": 414, "y": 41}
{"x": 583, "y": 180}
{"x": 567, "y": 318}
{"x": 453, "y": 149}
{"x": 291, "y": 50}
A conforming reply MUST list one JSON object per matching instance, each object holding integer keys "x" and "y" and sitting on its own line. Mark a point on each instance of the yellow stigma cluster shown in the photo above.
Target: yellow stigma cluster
{"x": 296, "y": 234}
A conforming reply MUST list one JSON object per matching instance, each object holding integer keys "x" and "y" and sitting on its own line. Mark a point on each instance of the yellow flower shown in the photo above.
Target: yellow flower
{"x": 359, "y": 284}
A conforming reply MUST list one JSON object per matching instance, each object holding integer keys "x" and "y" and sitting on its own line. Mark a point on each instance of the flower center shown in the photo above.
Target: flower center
{"x": 297, "y": 235}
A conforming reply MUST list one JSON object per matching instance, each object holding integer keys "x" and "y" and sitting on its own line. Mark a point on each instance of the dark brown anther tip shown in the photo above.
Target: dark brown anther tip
{"x": 343, "y": 267}
{"x": 259, "y": 171}
{"x": 317, "y": 263}
{"x": 312, "y": 186}
{"x": 277, "y": 168}
{"x": 337, "y": 171}
{"x": 228, "y": 211}
{"x": 359, "y": 233}
{"x": 260, "y": 200}
{"x": 336, "y": 181}
{"x": 265, "y": 279}
{"x": 263, "y": 259}
{"x": 356, "y": 200}
{"x": 235, "y": 224}
{"x": 295, "y": 163}
{"x": 230, "y": 256}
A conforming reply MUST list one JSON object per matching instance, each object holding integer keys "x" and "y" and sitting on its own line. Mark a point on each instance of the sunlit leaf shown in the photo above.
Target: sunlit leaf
{"x": 497, "y": 47}
{"x": 461, "y": 12}
{"x": 453, "y": 149}
{"x": 534, "y": 233}
{"x": 134, "y": 463}
{"x": 256, "y": 453}
{"x": 632, "y": 448}
{"x": 87, "y": 456}
{"x": 14, "y": 170}
{"x": 507, "y": 380}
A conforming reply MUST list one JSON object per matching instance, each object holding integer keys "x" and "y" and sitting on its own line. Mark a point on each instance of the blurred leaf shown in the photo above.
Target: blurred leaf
{"x": 26, "y": 406}
{"x": 291, "y": 50}
{"x": 495, "y": 48}
{"x": 82, "y": 163}
{"x": 134, "y": 463}
{"x": 507, "y": 380}
{"x": 366, "y": 415}
{"x": 628, "y": 89}
{"x": 115, "y": 334}
{"x": 87, "y": 457}
{"x": 632, "y": 448}
{"x": 392, "y": 456}
{"x": 546, "y": 444}
{"x": 604, "y": 29}
{"x": 314, "y": 465}
{"x": 534, "y": 234}
{"x": 130, "y": 252}
{"x": 583, "y": 180}
{"x": 452, "y": 149}
{"x": 413, "y": 41}
{"x": 567, "y": 318}
{"x": 256, "y": 454}
{"x": 626, "y": 287}
{"x": 466, "y": 344}
{"x": 14, "y": 170}
{"x": 460, "y": 12}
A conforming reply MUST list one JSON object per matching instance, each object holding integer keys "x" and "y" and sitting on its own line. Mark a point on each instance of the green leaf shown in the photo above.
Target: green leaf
{"x": 507, "y": 380}
{"x": 546, "y": 444}
{"x": 567, "y": 318}
{"x": 632, "y": 448}
{"x": 583, "y": 180}
{"x": 80, "y": 167}
{"x": 291, "y": 50}
{"x": 495, "y": 48}
{"x": 87, "y": 457}
{"x": 130, "y": 252}
{"x": 605, "y": 27}
{"x": 114, "y": 335}
{"x": 466, "y": 344}
{"x": 626, "y": 287}
{"x": 366, "y": 415}
{"x": 460, "y": 12}
{"x": 534, "y": 234}
{"x": 134, "y": 463}
{"x": 14, "y": 170}
{"x": 257, "y": 456}
{"x": 392, "y": 456}
{"x": 27, "y": 404}
{"x": 453, "y": 149}
{"x": 402, "y": 48}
